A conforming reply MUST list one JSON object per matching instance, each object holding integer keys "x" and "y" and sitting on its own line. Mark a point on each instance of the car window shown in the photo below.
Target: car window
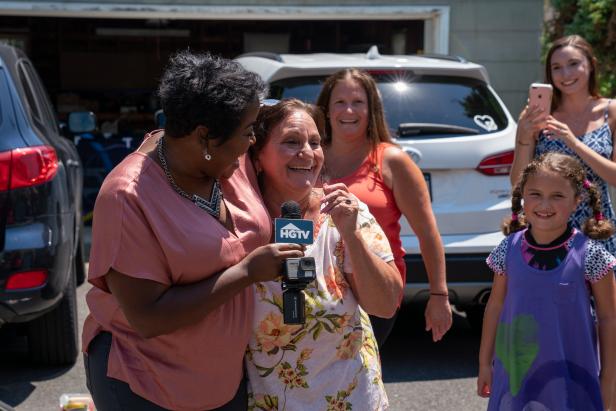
{"x": 47, "y": 116}
{"x": 3, "y": 91}
{"x": 34, "y": 109}
{"x": 426, "y": 106}
{"x": 45, "y": 104}
{"x": 4, "y": 99}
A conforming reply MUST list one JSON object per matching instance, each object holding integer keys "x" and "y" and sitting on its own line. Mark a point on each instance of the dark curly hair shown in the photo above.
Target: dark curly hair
{"x": 201, "y": 89}
{"x": 572, "y": 170}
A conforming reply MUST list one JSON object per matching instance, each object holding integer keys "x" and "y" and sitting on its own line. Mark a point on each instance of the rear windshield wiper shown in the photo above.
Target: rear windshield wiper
{"x": 417, "y": 129}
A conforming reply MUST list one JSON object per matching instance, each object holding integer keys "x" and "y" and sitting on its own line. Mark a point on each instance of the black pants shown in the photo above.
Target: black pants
{"x": 382, "y": 327}
{"x": 110, "y": 394}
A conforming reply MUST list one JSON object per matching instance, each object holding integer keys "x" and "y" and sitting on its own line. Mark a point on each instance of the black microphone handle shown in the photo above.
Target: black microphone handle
{"x": 291, "y": 210}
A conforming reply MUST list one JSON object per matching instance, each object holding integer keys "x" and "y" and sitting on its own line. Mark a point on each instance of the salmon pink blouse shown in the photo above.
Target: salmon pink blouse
{"x": 142, "y": 228}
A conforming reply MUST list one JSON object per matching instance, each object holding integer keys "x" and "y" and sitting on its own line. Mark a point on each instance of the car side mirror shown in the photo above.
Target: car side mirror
{"x": 81, "y": 122}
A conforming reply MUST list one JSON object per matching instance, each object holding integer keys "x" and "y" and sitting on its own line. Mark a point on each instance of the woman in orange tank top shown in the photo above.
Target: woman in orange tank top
{"x": 360, "y": 153}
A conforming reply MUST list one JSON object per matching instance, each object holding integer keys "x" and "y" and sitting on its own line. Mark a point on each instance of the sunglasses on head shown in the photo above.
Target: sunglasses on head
{"x": 268, "y": 102}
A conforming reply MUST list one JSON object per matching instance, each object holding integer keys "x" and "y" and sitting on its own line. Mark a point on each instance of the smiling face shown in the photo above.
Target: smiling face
{"x": 549, "y": 201}
{"x": 348, "y": 110}
{"x": 570, "y": 70}
{"x": 292, "y": 157}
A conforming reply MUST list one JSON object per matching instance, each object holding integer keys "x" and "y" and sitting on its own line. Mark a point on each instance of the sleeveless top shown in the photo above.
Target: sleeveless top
{"x": 546, "y": 355}
{"x": 367, "y": 184}
{"x": 601, "y": 141}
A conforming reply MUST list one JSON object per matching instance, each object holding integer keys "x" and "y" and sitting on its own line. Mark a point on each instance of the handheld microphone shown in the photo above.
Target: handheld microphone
{"x": 290, "y": 209}
{"x": 297, "y": 272}
{"x": 290, "y": 228}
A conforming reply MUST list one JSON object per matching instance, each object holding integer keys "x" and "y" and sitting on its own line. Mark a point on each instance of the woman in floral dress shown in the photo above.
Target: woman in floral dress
{"x": 331, "y": 362}
{"x": 581, "y": 124}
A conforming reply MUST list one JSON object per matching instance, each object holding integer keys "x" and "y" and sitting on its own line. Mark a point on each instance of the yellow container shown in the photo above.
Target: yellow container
{"x": 76, "y": 402}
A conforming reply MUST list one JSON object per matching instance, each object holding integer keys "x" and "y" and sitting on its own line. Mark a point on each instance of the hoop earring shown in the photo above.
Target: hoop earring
{"x": 207, "y": 155}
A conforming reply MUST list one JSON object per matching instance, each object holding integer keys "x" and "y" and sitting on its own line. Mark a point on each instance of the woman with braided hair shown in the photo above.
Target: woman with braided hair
{"x": 539, "y": 341}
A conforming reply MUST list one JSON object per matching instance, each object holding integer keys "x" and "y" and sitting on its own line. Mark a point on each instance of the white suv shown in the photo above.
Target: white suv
{"x": 444, "y": 114}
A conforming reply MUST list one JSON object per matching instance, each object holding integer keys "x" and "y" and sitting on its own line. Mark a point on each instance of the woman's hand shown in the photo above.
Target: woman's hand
{"x": 560, "y": 130}
{"x": 484, "y": 381}
{"x": 265, "y": 262}
{"x": 438, "y": 316}
{"x": 530, "y": 123}
{"x": 342, "y": 206}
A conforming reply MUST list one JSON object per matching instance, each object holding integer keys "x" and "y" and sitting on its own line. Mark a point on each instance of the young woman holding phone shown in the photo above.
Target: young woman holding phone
{"x": 580, "y": 123}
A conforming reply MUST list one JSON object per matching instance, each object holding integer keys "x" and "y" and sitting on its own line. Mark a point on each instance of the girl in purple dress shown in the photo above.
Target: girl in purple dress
{"x": 539, "y": 342}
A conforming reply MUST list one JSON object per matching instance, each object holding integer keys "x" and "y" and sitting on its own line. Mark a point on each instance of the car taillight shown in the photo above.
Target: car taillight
{"x": 28, "y": 166}
{"x": 496, "y": 165}
{"x": 5, "y": 170}
{"x": 26, "y": 280}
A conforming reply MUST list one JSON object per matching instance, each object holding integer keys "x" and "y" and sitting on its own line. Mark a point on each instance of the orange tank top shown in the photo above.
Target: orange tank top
{"x": 368, "y": 185}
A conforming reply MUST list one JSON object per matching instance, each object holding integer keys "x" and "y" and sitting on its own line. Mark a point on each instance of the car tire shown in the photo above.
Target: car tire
{"x": 53, "y": 337}
{"x": 474, "y": 316}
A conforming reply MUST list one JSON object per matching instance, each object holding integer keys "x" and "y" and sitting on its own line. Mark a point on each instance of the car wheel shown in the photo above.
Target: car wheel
{"x": 53, "y": 338}
{"x": 474, "y": 316}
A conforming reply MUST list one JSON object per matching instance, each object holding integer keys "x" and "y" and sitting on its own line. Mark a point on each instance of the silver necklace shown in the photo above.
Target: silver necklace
{"x": 212, "y": 207}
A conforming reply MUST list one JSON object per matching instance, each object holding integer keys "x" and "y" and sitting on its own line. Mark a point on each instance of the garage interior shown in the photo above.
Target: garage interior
{"x": 111, "y": 66}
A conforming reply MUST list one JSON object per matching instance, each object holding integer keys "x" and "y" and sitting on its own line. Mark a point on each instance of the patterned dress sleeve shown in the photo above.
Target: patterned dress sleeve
{"x": 373, "y": 235}
{"x": 597, "y": 261}
{"x": 496, "y": 259}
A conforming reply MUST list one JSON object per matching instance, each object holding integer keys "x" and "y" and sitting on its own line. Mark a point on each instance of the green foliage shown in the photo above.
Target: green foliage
{"x": 595, "y": 20}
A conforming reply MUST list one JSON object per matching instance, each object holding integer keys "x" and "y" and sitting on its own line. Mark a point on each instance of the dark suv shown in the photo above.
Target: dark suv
{"x": 40, "y": 216}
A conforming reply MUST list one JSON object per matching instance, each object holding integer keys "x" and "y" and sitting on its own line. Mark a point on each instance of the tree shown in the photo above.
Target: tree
{"x": 595, "y": 20}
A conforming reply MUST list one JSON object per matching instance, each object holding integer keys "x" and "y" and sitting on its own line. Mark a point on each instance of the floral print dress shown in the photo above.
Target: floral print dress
{"x": 331, "y": 362}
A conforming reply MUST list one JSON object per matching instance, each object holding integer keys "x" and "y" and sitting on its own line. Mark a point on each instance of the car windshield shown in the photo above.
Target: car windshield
{"x": 419, "y": 106}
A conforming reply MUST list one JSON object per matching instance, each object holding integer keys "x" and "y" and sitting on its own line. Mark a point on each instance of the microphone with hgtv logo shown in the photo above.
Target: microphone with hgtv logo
{"x": 297, "y": 273}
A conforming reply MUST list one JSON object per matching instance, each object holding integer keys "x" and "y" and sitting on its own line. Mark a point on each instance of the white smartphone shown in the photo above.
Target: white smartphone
{"x": 540, "y": 94}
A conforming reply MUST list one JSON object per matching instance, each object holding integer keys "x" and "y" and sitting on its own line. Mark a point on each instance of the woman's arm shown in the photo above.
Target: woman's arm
{"x": 153, "y": 309}
{"x": 377, "y": 285}
{"x": 604, "y": 292}
{"x": 530, "y": 123}
{"x": 413, "y": 199}
{"x": 488, "y": 334}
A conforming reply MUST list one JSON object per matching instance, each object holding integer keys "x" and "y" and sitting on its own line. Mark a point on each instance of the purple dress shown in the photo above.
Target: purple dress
{"x": 546, "y": 355}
